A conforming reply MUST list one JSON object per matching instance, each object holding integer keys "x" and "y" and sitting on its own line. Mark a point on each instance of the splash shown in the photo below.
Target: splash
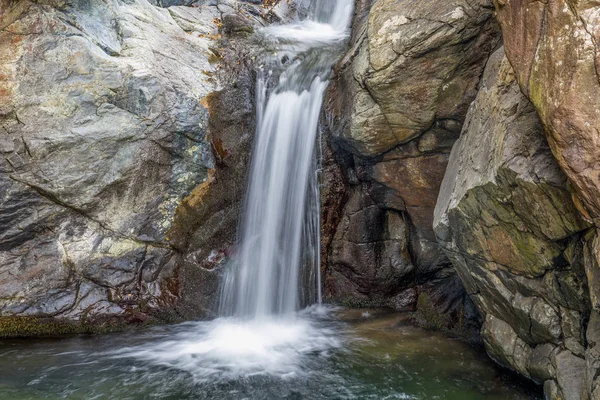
{"x": 229, "y": 349}
{"x": 276, "y": 268}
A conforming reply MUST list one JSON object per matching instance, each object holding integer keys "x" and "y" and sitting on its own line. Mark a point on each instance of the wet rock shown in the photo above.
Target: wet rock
{"x": 570, "y": 372}
{"x": 367, "y": 250}
{"x": 551, "y": 391}
{"x": 507, "y": 221}
{"x": 206, "y": 221}
{"x": 504, "y": 345}
{"x": 405, "y": 300}
{"x": 540, "y": 365}
{"x": 395, "y": 107}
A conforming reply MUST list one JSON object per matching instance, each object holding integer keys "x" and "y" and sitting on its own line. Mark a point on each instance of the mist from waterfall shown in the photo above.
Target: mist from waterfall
{"x": 276, "y": 267}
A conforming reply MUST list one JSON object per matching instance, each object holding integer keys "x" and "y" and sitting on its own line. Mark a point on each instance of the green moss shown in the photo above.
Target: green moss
{"x": 32, "y": 326}
{"x": 23, "y": 326}
{"x": 428, "y": 317}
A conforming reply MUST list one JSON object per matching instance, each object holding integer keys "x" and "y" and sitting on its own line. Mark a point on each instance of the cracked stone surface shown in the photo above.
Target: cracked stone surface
{"x": 553, "y": 48}
{"x": 395, "y": 108}
{"x": 508, "y": 223}
{"x": 104, "y": 127}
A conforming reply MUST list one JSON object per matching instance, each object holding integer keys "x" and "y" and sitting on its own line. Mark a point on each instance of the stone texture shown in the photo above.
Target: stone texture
{"x": 508, "y": 223}
{"x": 592, "y": 356}
{"x": 504, "y": 345}
{"x": 206, "y": 221}
{"x": 569, "y": 375}
{"x": 553, "y": 48}
{"x": 396, "y": 106}
{"x": 370, "y": 251}
{"x": 108, "y": 130}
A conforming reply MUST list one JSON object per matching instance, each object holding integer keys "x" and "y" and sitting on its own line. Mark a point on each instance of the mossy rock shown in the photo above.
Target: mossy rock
{"x": 428, "y": 317}
{"x": 25, "y": 326}
{"x": 32, "y": 327}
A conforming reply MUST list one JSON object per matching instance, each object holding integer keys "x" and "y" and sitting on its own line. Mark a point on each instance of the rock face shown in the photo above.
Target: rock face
{"x": 553, "y": 47}
{"x": 206, "y": 222}
{"x": 104, "y": 143}
{"x": 508, "y": 223}
{"x": 397, "y": 106}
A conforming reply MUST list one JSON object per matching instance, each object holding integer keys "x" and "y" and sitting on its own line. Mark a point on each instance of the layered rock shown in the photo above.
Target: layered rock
{"x": 397, "y": 105}
{"x": 106, "y": 110}
{"x": 508, "y": 223}
{"x": 553, "y": 48}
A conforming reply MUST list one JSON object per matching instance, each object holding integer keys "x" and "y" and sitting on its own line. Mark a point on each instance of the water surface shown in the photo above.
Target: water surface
{"x": 319, "y": 354}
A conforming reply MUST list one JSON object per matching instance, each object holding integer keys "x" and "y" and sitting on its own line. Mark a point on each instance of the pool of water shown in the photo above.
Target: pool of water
{"x": 318, "y": 354}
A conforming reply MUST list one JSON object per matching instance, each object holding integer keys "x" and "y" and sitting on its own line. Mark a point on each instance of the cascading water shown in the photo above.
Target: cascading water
{"x": 260, "y": 332}
{"x": 279, "y": 241}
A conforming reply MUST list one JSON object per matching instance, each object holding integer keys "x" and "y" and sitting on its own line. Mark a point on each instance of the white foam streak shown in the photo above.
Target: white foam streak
{"x": 308, "y": 34}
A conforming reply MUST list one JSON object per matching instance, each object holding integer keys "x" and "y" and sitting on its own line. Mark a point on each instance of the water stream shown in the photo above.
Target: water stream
{"x": 329, "y": 355}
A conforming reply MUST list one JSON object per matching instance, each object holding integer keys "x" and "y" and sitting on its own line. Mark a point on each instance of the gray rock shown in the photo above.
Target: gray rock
{"x": 395, "y": 107}
{"x": 106, "y": 136}
{"x": 506, "y": 220}
{"x": 540, "y": 365}
{"x": 504, "y": 346}
{"x": 551, "y": 391}
{"x": 570, "y": 372}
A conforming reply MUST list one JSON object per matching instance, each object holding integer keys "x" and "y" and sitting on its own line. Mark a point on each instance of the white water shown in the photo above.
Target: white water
{"x": 278, "y": 251}
{"x": 275, "y": 271}
{"x": 229, "y": 349}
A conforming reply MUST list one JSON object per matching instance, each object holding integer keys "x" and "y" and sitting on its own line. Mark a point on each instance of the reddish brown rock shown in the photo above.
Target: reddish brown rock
{"x": 553, "y": 47}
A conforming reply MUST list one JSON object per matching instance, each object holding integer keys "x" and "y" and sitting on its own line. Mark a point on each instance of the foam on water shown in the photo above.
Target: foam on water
{"x": 229, "y": 349}
{"x": 275, "y": 271}
{"x": 307, "y": 34}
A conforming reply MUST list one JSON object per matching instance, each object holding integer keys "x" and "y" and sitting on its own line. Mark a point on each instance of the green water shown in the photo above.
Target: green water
{"x": 341, "y": 355}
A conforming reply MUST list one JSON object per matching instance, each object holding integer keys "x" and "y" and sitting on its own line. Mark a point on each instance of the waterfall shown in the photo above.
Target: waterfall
{"x": 276, "y": 268}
